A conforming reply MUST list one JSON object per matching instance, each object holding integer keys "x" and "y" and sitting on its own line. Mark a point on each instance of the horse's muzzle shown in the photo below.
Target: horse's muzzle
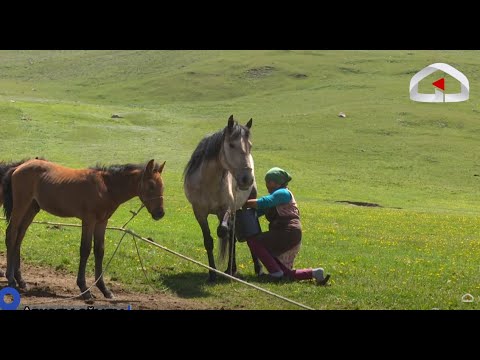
{"x": 247, "y": 187}
{"x": 157, "y": 215}
{"x": 245, "y": 181}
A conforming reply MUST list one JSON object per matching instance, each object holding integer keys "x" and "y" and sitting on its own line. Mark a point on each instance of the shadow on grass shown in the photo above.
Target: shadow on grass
{"x": 196, "y": 285}
{"x": 264, "y": 279}
{"x": 37, "y": 291}
{"x": 191, "y": 284}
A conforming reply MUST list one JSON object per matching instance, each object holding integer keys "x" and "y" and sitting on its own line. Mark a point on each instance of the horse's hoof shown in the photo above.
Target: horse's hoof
{"x": 87, "y": 296}
{"x": 229, "y": 272}
{"x": 22, "y": 285}
{"x": 89, "y": 301}
{"x": 212, "y": 279}
{"x": 222, "y": 231}
{"x": 235, "y": 274}
{"x": 108, "y": 294}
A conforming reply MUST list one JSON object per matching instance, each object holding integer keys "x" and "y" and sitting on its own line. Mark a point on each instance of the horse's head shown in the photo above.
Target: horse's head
{"x": 151, "y": 189}
{"x": 235, "y": 154}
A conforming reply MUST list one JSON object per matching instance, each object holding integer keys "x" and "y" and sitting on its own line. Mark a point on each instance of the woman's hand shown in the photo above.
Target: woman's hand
{"x": 251, "y": 203}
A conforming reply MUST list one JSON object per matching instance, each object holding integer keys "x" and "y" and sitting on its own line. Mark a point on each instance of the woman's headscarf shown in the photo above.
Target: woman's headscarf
{"x": 278, "y": 176}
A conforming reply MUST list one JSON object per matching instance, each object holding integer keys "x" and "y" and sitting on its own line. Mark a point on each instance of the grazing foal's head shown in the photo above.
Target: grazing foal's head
{"x": 151, "y": 189}
{"x": 236, "y": 155}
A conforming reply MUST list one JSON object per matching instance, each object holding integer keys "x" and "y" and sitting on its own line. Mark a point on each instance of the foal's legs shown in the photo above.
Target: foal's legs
{"x": 99, "y": 250}
{"x": 85, "y": 248}
{"x": 27, "y": 220}
{"x": 11, "y": 242}
{"x": 207, "y": 242}
{"x": 19, "y": 210}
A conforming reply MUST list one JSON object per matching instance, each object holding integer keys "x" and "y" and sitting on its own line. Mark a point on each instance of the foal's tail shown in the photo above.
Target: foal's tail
{"x": 7, "y": 194}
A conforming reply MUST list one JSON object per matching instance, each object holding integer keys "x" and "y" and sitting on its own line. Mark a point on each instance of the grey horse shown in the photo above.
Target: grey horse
{"x": 218, "y": 180}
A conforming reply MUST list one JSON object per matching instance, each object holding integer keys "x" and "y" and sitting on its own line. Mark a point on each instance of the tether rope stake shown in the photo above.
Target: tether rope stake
{"x": 151, "y": 242}
{"x": 149, "y": 281}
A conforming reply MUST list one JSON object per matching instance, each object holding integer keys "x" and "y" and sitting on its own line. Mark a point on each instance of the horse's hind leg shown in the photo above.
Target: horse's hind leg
{"x": 27, "y": 220}
{"x": 13, "y": 251}
{"x": 99, "y": 251}
{"x": 223, "y": 227}
{"x": 85, "y": 249}
{"x": 10, "y": 242}
{"x": 208, "y": 243}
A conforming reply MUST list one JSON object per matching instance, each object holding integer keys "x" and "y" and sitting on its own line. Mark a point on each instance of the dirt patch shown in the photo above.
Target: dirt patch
{"x": 349, "y": 70}
{"x": 49, "y": 288}
{"x": 261, "y": 71}
{"x": 359, "y": 203}
{"x": 299, "y": 76}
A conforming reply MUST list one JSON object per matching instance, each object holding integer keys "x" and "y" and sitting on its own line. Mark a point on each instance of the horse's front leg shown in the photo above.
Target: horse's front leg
{"x": 85, "y": 248}
{"x": 99, "y": 251}
{"x": 207, "y": 242}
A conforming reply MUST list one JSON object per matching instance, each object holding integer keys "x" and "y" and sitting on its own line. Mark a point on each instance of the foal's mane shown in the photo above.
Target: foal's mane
{"x": 209, "y": 147}
{"x": 121, "y": 169}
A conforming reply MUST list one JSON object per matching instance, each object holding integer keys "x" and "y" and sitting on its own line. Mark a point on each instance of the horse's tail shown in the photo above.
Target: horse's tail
{"x": 224, "y": 248}
{"x": 7, "y": 194}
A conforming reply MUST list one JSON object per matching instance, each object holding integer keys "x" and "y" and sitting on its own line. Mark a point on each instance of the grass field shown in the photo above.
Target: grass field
{"x": 421, "y": 250}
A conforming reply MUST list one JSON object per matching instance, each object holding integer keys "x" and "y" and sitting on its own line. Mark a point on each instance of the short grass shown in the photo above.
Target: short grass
{"x": 419, "y": 161}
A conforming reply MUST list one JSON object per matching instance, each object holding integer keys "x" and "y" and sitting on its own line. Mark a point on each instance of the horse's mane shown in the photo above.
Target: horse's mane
{"x": 209, "y": 147}
{"x": 120, "y": 169}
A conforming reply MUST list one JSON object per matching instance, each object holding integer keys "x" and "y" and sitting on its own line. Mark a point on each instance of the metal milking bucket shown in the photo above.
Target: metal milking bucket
{"x": 246, "y": 224}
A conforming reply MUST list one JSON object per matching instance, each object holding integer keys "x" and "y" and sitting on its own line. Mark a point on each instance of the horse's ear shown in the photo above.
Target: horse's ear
{"x": 149, "y": 168}
{"x": 249, "y": 123}
{"x": 160, "y": 169}
{"x": 230, "y": 123}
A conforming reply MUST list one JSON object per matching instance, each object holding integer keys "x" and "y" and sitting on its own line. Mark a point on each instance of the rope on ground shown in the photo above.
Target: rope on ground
{"x": 151, "y": 242}
{"x": 149, "y": 281}
{"x": 210, "y": 268}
